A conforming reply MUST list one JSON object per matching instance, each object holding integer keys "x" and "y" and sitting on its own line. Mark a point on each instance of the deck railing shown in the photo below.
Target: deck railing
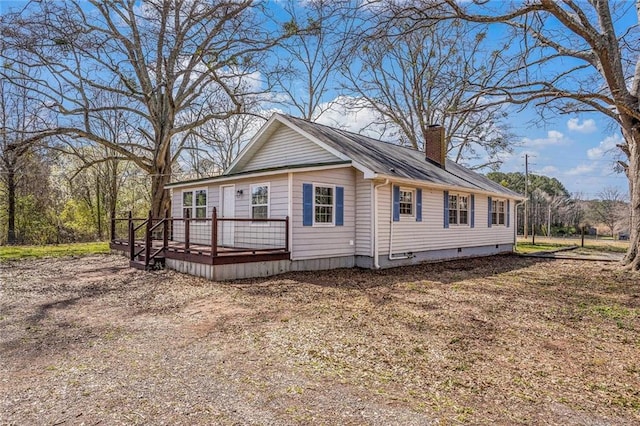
{"x": 212, "y": 236}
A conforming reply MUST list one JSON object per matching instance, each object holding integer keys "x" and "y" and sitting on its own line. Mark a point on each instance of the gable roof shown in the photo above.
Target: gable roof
{"x": 386, "y": 159}
{"x": 375, "y": 158}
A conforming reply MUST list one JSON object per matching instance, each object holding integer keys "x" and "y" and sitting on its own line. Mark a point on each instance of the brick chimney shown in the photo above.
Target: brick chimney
{"x": 435, "y": 149}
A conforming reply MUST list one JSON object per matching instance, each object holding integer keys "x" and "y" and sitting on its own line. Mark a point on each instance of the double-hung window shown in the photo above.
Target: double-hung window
{"x": 498, "y": 212}
{"x": 323, "y": 204}
{"x": 406, "y": 202}
{"x": 194, "y": 203}
{"x": 458, "y": 209}
{"x": 260, "y": 201}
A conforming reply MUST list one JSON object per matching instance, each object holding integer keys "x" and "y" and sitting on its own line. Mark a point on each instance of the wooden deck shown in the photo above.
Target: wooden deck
{"x": 199, "y": 253}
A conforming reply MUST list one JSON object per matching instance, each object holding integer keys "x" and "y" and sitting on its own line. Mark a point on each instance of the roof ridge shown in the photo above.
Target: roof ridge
{"x": 348, "y": 133}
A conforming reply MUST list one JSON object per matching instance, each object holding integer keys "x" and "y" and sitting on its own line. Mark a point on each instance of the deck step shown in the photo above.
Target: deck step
{"x": 137, "y": 264}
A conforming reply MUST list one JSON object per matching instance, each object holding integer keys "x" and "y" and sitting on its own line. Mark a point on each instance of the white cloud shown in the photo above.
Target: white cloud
{"x": 554, "y": 137}
{"x": 605, "y": 146}
{"x": 549, "y": 170}
{"x": 581, "y": 169}
{"x": 587, "y": 126}
{"x": 351, "y": 114}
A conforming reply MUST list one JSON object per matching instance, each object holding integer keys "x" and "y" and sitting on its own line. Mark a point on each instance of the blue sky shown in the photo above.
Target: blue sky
{"x": 578, "y": 150}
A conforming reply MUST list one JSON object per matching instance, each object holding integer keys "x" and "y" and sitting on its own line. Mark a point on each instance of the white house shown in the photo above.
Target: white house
{"x": 349, "y": 201}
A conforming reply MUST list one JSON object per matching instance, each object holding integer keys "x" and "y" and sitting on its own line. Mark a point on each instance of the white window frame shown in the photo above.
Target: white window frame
{"x": 457, "y": 209}
{"x": 495, "y": 212}
{"x": 333, "y": 205}
{"x": 412, "y": 191}
{"x": 268, "y": 205}
{"x": 193, "y": 207}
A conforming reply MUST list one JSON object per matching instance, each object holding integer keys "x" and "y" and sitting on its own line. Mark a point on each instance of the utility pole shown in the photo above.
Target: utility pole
{"x": 526, "y": 195}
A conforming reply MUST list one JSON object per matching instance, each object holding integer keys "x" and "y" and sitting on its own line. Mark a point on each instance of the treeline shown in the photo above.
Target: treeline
{"x": 553, "y": 211}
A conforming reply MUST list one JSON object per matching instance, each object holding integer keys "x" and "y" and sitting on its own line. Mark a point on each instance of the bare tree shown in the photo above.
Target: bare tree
{"x": 216, "y": 144}
{"x": 416, "y": 77}
{"x": 610, "y": 209}
{"x": 568, "y": 57}
{"x": 20, "y": 114}
{"x": 310, "y": 65}
{"x": 173, "y": 64}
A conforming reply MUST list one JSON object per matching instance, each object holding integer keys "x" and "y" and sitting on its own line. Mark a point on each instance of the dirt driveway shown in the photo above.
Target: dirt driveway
{"x": 504, "y": 340}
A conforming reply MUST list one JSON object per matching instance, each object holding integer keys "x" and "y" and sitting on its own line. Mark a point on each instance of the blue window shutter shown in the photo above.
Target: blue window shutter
{"x": 418, "y": 205}
{"x": 307, "y": 204}
{"x": 473, "y": 211}
{"x": 508, "y": 213}
{"x": 446, "y": 209}
{"x": 339, "y": 206}
{"x": 396, "y": 203}
{"x": 489, "y": 218}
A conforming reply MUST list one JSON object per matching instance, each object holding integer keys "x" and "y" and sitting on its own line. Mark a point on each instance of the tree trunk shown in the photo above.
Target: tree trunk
{"x": 98, "y": 212}
{"x": 632, "y": 136}
{"x": 161, "y": 175}
{"x": 11, "y": 195}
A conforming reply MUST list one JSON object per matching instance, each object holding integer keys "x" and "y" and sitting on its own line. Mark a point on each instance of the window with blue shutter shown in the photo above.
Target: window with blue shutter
{"x": 508, "y": 213}
{"x": 473, "y": 211}
{"x": 490, "y": 213}
{"x": 339, "y": 206}
{"x": 396, "y": 203}
{"x": 446, "y": 209}
{"x": 307, "y": 204}
{"x": 418, "y": 205}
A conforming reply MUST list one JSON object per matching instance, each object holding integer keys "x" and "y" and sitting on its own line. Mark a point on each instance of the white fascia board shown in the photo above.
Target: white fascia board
{"x": 413, "y": 182}
{"x": 254, "y": 140}
{"x": 249, "y": 175}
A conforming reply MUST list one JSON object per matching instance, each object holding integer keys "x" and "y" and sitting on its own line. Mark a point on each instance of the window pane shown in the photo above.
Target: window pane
{"x": 259, "y": 212}
{"x": 453, "y": 202}
{"x": 463, "y": 202}
{"x": 453, "y": 217}
{"x": 201, "y": 198}
{"x": 201, "y": 212}
{"x": 406, "y": 202}
{"x": 324, "y": 195}
{"x": 324, "y": 214}
{"x": 464, "y": 217}
{"x": 260, "y": 195}
{"x": 187, "y": 199}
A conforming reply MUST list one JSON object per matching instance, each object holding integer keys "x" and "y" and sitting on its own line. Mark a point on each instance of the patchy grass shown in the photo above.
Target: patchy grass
{"x": 545, "y": 244}
{"x": 505, "y": 340}
{"x": 58, "y": 250}
{"x": 525, "y": 248}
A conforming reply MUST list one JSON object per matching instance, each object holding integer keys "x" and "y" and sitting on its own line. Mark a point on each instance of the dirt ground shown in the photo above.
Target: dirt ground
{"x": 502, "y": 340}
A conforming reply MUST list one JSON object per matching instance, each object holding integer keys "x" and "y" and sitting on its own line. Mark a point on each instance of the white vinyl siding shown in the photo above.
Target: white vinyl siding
{"x": 364, "y": 207}
{"x": 286, "y": 148}
{"x": 310, "y": 242}
{"x": 200, "y": 231}
{"x": 430, "y": 234}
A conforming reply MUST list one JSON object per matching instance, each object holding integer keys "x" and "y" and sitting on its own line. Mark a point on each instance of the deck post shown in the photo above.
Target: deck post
{"x": 286, "y": 233}
{"x": 186, "y": 230}
{"x": 148, "y": 240}
{"x": 165, "y": 230}
{"x": 132, "y": 237}
{"x": 113, "y": 228}
{"x": 214, "y": 233}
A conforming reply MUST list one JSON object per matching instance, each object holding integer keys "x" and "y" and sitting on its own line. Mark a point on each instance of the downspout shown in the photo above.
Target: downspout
{"x": 515, "y": 228}
{"x": 376, "y": 263}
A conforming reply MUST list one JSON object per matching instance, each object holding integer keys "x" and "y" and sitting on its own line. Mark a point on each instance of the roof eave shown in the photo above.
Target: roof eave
{"x": 447, "y": 187}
